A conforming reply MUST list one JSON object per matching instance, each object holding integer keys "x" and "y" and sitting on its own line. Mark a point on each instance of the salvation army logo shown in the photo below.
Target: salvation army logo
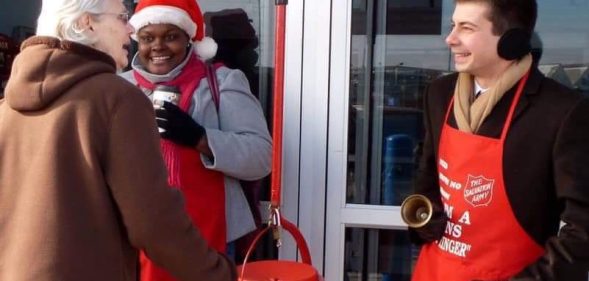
{"x": 478, "y": 191}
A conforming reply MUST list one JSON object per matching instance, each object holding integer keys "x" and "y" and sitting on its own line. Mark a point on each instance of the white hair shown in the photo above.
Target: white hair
{"x": 59, "y": 18}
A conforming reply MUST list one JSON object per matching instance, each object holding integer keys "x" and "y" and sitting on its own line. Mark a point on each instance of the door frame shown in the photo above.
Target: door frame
{"x": 339, "y": 214}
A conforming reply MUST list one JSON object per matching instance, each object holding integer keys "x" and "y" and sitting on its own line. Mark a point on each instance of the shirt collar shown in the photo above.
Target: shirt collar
{"x": 478, "y": 89}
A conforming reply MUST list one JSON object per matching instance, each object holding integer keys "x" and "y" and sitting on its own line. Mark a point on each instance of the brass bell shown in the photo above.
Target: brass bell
{"x": 416, "y": 210}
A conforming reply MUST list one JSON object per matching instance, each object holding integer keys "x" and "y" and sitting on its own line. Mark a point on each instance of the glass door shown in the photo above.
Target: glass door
{"x": 392, "y": 49}
{"x": 383, "y": 55}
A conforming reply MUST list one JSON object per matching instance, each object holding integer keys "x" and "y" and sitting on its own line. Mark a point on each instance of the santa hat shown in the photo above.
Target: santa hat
{"x": 185, "y": 14}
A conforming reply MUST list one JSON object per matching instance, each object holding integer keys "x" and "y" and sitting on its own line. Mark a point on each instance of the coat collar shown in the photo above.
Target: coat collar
{"x": 531, "y": 89}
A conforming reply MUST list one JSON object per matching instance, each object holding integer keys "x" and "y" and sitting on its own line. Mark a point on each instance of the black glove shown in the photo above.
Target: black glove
{"x": 430, "y": 232}
{"x": 178, "y": 125}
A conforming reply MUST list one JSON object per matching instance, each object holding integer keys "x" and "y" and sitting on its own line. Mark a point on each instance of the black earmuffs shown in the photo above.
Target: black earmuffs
{"x": 514, "y": 44}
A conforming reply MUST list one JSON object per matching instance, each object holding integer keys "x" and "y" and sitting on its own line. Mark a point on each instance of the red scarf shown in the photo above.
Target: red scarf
{"x": 188, "y": 80}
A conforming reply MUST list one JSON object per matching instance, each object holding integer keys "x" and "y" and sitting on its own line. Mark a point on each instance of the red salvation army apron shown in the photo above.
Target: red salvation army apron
{"x": 203, "y": 189}
{"x": 204, "y": 195}
{"x": 482, "y": 239}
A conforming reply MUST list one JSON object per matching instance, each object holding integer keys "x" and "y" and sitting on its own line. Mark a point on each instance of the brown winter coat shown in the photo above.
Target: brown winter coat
{"x": 82, "y": 181}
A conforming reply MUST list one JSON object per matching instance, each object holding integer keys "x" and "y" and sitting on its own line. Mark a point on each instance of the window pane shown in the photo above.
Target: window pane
{"x": 373, "y": 255}
{"x": 389, "y": 73}
{"x": 244, "y": 33}
{"x": 562, "y": 39}
{"x": 390, "y": 67}
{"x": 243, "y": 30}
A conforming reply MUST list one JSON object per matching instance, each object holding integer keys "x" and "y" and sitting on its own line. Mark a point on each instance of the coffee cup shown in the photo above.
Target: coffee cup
{"x": 163, "y": 93}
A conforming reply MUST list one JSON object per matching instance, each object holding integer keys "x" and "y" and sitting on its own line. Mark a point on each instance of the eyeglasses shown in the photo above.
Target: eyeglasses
{"x": 123, "y": 17}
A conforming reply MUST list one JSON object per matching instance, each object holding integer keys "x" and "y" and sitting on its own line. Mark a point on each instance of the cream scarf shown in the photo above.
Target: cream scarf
{"x": 469, "y": 112}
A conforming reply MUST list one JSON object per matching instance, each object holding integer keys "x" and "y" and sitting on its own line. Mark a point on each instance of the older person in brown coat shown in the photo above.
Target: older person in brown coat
{"x": 82, "y": 181}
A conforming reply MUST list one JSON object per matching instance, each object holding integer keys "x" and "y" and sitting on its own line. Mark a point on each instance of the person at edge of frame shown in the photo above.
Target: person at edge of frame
{"x": 505, "y": 158}
{"x": 82, "y": 181}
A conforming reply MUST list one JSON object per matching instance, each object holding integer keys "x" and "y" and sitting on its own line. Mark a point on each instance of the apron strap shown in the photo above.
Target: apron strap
{"x": 518, "y": 93}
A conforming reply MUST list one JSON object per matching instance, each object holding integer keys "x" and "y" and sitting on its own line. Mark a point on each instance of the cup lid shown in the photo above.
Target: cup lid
{"x": 167, "y": 88}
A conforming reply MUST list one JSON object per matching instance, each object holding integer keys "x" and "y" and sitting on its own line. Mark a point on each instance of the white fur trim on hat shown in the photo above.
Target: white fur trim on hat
{"x": 206, "y": 48}
{"x": 157, "y": 14}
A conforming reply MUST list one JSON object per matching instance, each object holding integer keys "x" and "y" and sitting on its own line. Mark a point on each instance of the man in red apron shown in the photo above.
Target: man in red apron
{"x": 505, "y": 158}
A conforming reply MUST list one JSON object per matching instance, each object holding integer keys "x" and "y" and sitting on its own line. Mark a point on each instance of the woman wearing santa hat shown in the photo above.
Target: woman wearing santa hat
{"x": 207, "y": 150}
